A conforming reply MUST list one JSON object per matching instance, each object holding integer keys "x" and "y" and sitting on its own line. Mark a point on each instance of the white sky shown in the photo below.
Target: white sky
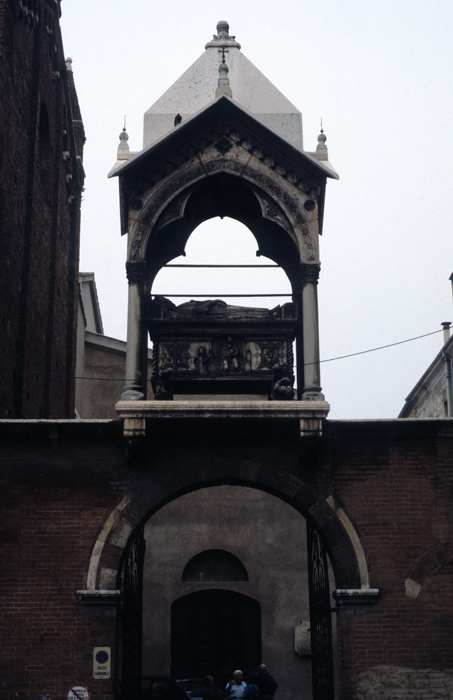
{"x": 379, "y": 73}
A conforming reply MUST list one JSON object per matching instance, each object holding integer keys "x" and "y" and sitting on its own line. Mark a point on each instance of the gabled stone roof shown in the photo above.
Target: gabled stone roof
{"x": 196, "y": 88}
{"x": 193, "y": 135}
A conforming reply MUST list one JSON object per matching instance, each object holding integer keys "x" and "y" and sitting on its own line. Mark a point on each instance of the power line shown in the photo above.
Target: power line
{"x": 203, "y": 296}
{"x": 306, "y": 364}
{"x": 381, "y": 347}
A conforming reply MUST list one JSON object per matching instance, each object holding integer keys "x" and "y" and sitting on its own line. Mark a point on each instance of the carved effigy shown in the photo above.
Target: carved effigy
{"x": 217, "y": 347}
{"x": 202, "y": 360}
{"x": 230, "y": 357}
{"x": 216, "y": 310}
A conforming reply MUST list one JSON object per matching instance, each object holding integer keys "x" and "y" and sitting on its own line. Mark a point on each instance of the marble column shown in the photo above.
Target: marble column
{"x": 136, "y": 366}
{"x": 310, "y": 332}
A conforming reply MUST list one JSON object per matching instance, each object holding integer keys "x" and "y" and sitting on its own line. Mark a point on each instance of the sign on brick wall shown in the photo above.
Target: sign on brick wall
{"x": 101, "y": 662}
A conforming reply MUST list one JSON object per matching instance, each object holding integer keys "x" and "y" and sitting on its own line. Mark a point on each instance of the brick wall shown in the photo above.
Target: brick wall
{"x": 39, "y": 227}
{"x": 60, "y": 481}
{"x": 55, "y": 502}
{"x": 395, "y": 483}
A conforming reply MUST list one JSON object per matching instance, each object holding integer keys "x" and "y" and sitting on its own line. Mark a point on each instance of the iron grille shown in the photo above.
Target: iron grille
{"x": 320, "y": 618}
{"x": 130, "y": 631}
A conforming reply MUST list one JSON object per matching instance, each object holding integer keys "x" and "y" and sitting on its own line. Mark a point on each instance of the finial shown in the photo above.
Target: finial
{"x": 223, "y": 30}
{"x": 223, "y": 38}
{"x": 223, "y": 83}
{"x": 68, "y": 62}
{"x": 322, "y": 138}
{"x": 321, "y": 148}
{"x": 123, "y": 147}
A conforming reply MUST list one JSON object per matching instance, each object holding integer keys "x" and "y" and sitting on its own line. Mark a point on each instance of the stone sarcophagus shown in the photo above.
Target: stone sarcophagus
{"x": 215, "y": 349}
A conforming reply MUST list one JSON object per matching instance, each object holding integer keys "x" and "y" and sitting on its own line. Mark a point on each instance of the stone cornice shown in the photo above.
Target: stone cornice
{"x": 226, "y": 130}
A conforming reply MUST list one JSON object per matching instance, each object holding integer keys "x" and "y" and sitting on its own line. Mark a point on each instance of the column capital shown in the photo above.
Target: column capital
{"x": 137, "y": 271}
{"x": 310, "y": 272}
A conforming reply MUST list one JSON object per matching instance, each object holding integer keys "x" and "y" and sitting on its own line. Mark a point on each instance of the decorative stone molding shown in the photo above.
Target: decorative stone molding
{"x": 223, "y": 135}
{"x": 99, "y": 597}
{"x": 224, "y": 145}
{"x": 354, "y": 539}
{"x": 356, "y": 596}
{"x": 281, "y": 207}
{"x": 174, "y": 211}
{"x": 270, "y": 186}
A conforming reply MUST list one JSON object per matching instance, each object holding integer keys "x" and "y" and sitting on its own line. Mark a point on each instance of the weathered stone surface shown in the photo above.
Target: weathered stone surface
{"x": 404, "y": 683}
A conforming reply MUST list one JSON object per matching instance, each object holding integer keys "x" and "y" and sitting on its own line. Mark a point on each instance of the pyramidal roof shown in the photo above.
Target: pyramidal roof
{"x": 196, "y": 88}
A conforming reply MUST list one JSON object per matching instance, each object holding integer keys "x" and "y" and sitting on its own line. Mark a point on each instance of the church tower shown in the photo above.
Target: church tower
{"x": 223, "y": 141}
{"x": 41, "y": 149}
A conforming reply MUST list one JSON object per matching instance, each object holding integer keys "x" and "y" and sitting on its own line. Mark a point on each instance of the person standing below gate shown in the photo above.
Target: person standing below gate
{"x": 208, "y": 692}
{"x": 252, "y": 690}
{"x": 236, "y": 687}
{"x": 266, "y": 683}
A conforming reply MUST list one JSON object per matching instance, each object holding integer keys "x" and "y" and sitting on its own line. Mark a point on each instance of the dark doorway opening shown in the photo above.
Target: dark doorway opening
{"x": 214, "y": 632}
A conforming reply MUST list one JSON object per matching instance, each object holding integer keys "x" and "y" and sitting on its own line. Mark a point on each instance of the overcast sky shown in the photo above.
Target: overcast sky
{"x": 379, "y": 73}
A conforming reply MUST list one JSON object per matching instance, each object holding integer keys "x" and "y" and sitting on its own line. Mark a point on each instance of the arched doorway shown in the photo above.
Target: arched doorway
{"x": 271, "y": 570}
{"x": 213, "y": 632}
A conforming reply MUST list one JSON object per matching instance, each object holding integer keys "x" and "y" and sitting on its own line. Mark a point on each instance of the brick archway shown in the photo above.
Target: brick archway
{"x": 181, "y": 475}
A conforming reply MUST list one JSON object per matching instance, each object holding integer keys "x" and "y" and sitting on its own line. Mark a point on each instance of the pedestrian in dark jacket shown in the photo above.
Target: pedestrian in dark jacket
{"x": 266, "y": 683}
{"x": 252, "y": 691}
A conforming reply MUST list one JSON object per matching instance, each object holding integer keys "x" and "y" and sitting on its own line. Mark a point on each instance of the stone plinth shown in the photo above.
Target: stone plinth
{"x": 136, "y": 413}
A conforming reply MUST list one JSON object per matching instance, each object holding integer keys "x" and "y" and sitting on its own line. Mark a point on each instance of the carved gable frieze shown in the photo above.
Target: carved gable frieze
{"x": 223, "y": 146}
{"x": 223, "y": 137}
{"x": 287, "y": 197}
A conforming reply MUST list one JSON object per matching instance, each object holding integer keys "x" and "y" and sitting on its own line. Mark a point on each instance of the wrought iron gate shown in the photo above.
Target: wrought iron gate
{"x": 320, "y": 618}
{"x": 130, "y": 619}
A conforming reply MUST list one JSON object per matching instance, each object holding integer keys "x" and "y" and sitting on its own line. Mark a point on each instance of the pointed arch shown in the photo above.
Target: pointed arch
{"x": 259, "y": 198}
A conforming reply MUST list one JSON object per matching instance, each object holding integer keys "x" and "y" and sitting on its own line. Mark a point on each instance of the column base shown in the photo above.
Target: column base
{"x": 132, "y": 395}
{"x": 312, "y": 393}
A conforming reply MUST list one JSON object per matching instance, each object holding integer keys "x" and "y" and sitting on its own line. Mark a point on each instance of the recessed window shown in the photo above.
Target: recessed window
{"x": 214, "y": 565}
